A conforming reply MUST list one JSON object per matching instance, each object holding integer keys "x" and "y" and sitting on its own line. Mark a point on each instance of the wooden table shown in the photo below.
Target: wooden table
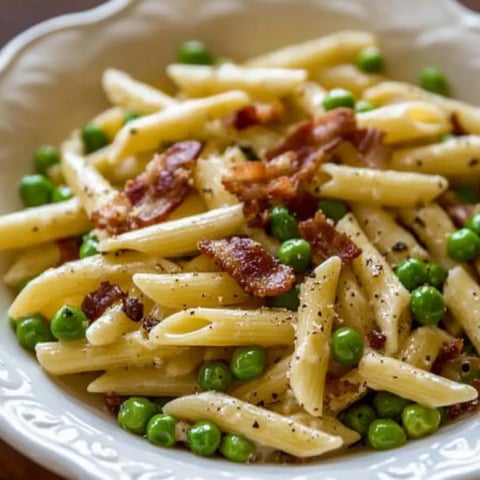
{"x": 15, "y": 16}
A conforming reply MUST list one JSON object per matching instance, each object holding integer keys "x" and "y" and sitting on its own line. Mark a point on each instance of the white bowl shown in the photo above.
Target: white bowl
{"x": 50, "y": 83}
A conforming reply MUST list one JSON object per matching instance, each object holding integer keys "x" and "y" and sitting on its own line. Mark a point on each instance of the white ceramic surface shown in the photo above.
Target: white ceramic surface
{"x": 50, "y": 83}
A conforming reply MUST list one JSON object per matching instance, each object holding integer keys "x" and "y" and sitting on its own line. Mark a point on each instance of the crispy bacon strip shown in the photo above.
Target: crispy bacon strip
{"x": 376, "y": 339}
{"x": 68, "y": 249}
{"x": 154, "y": 194}
{"x": 258, "y": 114}
{"x": 326, "y": 241}
{"x": 370, "y": 146}
{"x": 96, "y": 302}
{"x": 458, "y": 211}
{"x": 255, "y": 270}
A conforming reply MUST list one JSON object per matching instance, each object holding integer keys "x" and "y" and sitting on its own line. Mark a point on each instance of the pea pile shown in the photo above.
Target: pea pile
{"x": 463, "y": 244}
{"x": 389, "y": 420}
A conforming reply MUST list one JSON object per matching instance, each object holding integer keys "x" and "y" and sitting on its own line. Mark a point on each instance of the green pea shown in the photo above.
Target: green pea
{"x": 214, "y": 376}
{"x": 363, "y": 106}
{"x": 248, "y": 363}
{"x": 338, "y": 97}
{"x": 463, "y": 245}
{"x": 436, "y": 275}
{"x": 412, "y": 273}
{"x": 89, "y": 245}
{"x": 347, "y": 346}
{"x": 385, "y": 434}
{"x": 473, "y": 224}
{"x": 289, "y": 300}
{"x": 203, "y": 438}
{"x": 161, "y": 430}
{"x": 283, "y": 225}
{"x": 427, "y": 305}
{"x": 296, "y": 253}
{"x": 467, "y": 195}
{"x": 69, "y": 323}
{"x": 45, "y": 157}
{"x": 388, "y": 405}
{"x": 35, "y": 190}
{"x": 135, "y": 413}
{"x": 61, "y": 193}
{"x": 445, "y": 137}
{"x": 128, "y": 117}
{"x": 333, "y": 208}
{"x": 94, "y": 138}
{"x": 237, "y": 448}
{"x": 194, "y": 52}
{"x": 370, "y": 60}
{"x": 420, "y": 421}
{"x": 359, "y": 417}
{"x": 32, "y": 330}
{"x": 434, "y": 81}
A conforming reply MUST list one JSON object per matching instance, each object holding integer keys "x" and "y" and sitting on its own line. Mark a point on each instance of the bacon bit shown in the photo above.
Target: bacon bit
{"x": 303, "y": 205}
{"x": 148, "y": 323}
{"x": 370, "y": 146}
{"x": 96, "y": 302}
{"x": 68, "y": 250}
{"x": 448, "y": 352}
{"x": 376, "y": 339}
{"x": 458, "y": 212}
{"x": 149, "y": 198}
{"x": 460, "y": 409}
{"x": 326, "y": 241}
{"x": 113, "y": 402}
{"x": 133, "y": 309}
{"x": 258, "y": 114}
{"x": 255, "y": 270}
{"x": 457, "y": 128}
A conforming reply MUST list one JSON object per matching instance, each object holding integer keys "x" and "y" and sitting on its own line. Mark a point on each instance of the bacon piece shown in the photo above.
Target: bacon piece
{"x": 133, "y": 309}
{"x": 68, "y": 250}
{"x": 255, "y": 270}
{"x": 258, "y": 114}
{"x": 149, "y": 322}
{"x": 154, "y": 194}
{"x": 376, "y": 339}
{"x": 458, "y": 211}
{"x": 460, "y": 409}
{"x": 113, "y": 402}
{"x": 448, "y": 352}
{"x": 370, "y": 146}
{"x": 457, "y": 127}
{"x": 96, "y": 302}
{"x": 326, "y": 241}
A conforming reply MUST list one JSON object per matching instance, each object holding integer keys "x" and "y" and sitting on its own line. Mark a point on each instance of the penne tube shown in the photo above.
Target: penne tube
{"x": 174, "y": 123}
{"x": 309, "y": 98}
{"x": 178, "y": 237}
{"x": 423, "y": 345}
{"x": 400, "y": 378}
{"x": 268, "y": 388}
{"x": 185, "y": 290}
{"x": 340, "y": 47}
{"x": 65, "y": 358}
{"x": 457, "y": 156}
{"x": 185, "y": 362}
{"x": 265, "y": 83}
{"x": 257, "y": 424}
{"x": 80, "y": 277}
{"x": 388, "y": 297}
{"x": 468, "y": 116}
{"x": 35, "y": 225}
{"x": 382, "y": 187}
{"x": 110, "y": 326}
{"x": 344, "y": 391}
{"x": 147, "y": 381}
{"x": 308, "y": 368}
{"x": 221, "y": 327}
{"x": 110, "y": 121}
{"x": 406, "y": 121}
{"x": 132, "y": 95}
{"x": 390, "y": 238}
{"x": 92, "y": 189}
{"x": 346, "y": 76}
{"x": 462, "y": 298}
{"x": 431, "y": 225}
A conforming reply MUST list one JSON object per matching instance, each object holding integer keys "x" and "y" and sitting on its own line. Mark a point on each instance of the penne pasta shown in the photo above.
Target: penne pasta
{"x": 174, "y": 123}
{"x": 178, "y": 237}
{"x": 388, "y": 297}
{"x": 36, "y": 225}
{"x": 265, "y": 83}
{"x": 132, "y": 95}
{"x": 308, "y": 368}
{"x": 257, "y": 424}
{"x": 382, "y": 187}
{"x": 309, "y": 98}
{"x": 400, "y": 378}
{"x": 110, "y": 121}
{"x": 345, "y": 391}
{"x": 220, "y": 327}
